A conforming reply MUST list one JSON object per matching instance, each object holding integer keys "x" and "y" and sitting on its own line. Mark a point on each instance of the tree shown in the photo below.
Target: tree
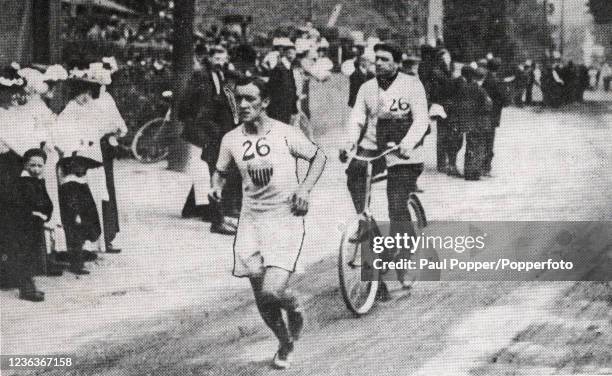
{"x": 511, "y": 29}
{"x": 182, "y": 52}
{"x": 601, "y": 11}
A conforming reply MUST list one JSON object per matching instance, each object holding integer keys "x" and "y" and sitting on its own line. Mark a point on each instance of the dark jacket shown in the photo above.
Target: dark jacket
{"x": 23, "y": 232}
{"x": 34, "y": 198}
{"x": 496, "y": 92}
{"x": 440, "y": 86}
{"x": 207, "y": 115}
{"x": 76, "y": 200}
{"x": 356, "y": 79}
{"x": 473, "y": 106}
{"x": 283, "y": 96}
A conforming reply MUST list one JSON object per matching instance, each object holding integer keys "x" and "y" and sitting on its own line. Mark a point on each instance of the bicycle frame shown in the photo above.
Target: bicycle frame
{"x": 370, "y": 160}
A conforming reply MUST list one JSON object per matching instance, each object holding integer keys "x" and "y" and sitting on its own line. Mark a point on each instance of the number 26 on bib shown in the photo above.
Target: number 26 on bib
{"x": 260, "y": 147}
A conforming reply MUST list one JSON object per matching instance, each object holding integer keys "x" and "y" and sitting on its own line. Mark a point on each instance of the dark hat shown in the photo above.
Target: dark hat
{"x": 79, "y": 160}
{"x": 494, "y": 64}
{"x": 467, "y": 72}
{"x": 480, "y": 73}
{"x": 441, "y": 51}
{"x": 392, "y": 48}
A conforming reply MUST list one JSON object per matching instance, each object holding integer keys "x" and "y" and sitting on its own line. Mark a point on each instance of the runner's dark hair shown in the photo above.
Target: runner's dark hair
{"x": 258, "y": 82}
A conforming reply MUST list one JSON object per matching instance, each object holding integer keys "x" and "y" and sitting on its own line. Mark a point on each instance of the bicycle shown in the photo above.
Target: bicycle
{"x": 359, "y": 296}
{"x": 150, "y": 144}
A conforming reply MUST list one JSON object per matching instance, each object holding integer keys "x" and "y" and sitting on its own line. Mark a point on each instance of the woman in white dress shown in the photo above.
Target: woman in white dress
{"x": 40, "y": 123}
{"x": 81, "y": 125}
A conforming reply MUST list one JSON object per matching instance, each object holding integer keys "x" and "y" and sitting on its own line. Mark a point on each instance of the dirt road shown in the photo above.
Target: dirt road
{"x": 168, "y": 306}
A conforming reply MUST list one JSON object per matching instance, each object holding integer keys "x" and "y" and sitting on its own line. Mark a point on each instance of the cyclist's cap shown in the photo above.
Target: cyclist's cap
{"x": 392, "y": 48}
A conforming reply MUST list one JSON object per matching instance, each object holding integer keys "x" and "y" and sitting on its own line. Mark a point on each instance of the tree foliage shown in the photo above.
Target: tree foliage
{"x": 511, "y": 29}
{"x": 601, "y": 10}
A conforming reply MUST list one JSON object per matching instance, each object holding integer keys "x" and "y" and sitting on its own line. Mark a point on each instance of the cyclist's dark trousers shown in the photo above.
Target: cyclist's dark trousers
{"x": 475, "y": 150}
{"x": 489, "y": 141}
{"x": 449, "y": 141}
{"x": 356, "y": 176}
{"x": 401, "y": 181}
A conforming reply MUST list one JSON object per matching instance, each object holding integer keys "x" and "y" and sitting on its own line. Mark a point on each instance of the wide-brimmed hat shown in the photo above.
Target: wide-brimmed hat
{"x": 10, "y": 78}
{"x": 303, "y": 45}
{"x": 35, "y": 80}
{"x": 285, "y": 42}
{"x": 92, "y": 73}
{"x": 55, "y": 72}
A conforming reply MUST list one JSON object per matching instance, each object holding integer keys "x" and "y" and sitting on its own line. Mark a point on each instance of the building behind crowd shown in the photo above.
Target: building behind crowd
{"x": 30, "y": 31}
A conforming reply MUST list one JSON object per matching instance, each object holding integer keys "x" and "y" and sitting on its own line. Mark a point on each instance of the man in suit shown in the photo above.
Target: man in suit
{"x": 363, "y": 72}
{"x": 441, "y": 91}
{"x": 478, "y": 110}
{"x": 495, "y": 90}
{"x": 208, "y": 112}
{"x": 283, "y": 93}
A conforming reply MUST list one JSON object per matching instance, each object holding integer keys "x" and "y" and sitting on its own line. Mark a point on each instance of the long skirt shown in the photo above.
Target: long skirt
{"x": 52, "y": 184}
{"x": 96, "y": 178}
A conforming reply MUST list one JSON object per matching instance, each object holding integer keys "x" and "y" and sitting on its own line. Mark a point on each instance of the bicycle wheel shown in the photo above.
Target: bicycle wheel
{"x": 417, "y": 213}
{"x": 358, "y": 295}
{"x": 149, "y": 144}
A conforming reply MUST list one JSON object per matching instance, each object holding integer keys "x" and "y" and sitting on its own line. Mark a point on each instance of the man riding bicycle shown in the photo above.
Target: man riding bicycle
{"x": 391, "y": 108}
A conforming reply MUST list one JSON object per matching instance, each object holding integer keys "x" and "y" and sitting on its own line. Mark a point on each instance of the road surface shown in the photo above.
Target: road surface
{"x": 168, "y": 306}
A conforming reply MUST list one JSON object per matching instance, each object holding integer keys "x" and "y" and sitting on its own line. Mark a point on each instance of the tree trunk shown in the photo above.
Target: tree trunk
{"x": 182, "y": 52}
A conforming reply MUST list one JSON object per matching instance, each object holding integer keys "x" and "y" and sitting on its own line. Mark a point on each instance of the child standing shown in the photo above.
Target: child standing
{"x": 33, "y": 208}
{"x": 78, "y": 209}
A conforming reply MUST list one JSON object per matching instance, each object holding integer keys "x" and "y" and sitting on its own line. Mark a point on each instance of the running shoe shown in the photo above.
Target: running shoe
{"x": 281, "y": 358}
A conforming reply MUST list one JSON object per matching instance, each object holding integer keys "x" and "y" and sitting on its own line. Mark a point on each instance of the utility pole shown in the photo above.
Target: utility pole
{"x": 562, "y": 31}
{"x": 310, "y": 11}
{"x": 182, "y": 56}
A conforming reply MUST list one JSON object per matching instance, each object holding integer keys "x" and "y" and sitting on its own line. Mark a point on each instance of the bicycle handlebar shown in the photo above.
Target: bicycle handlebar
{"x": 392, "y": 147}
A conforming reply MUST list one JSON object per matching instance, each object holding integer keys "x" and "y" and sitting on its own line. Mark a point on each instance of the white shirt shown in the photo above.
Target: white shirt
{"x": 405, "y": 96}
{"x": 25, "y": 127}
{"x": 267, "y": 163}
{"x": 80, "y": 127}
{"x": 111, "y": 114}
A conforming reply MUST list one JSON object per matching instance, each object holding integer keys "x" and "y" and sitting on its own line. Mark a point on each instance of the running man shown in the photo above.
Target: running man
{"x": 391, "y": 108}
{"x": 271, "y": 225}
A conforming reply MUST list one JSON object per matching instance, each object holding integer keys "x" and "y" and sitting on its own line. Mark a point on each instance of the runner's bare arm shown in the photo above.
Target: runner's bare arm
{"x": 303, "y": 148}
{"x": 223, "y": 163}
{"x": 317, "y": 165}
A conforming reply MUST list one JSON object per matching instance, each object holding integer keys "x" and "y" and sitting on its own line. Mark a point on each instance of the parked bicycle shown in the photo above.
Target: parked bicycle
{"x": 151, "y": 142}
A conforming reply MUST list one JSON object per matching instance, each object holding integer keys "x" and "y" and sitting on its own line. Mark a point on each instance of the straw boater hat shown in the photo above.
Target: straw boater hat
{"x": 285, "y": 42}
{"x": 93, "y": 73}
{"x": 55, "y": 73}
